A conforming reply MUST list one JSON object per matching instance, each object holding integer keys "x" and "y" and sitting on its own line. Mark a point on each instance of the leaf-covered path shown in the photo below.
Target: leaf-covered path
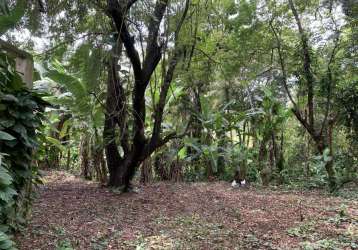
{"x": 71, "y": 212}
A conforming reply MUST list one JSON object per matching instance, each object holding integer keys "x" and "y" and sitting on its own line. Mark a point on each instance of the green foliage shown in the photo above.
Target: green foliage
{"x": 7, "y": 203}
{"x": 302, "y": 230}
{"x": 64, "y": 245}
{"x": 6, "y": 137}
{"x": 73, "y": 87}
{"x": 321, "y": 244}
{"x": 228, "y": 86}
{"x": 228, "y": 89}
{"x": 9, "y": 79}
{"x": 9, "y": 18}
{"x": 5, "y": 242}
{"x": 20, "y": 118}
{"x": 77, "y": 95}
{"x": 313, "y": 239}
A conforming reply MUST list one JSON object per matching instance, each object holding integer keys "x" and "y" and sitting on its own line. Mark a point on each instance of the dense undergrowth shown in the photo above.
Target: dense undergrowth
{"x": 185, "y": 92}
{"x": 20, "y": 119}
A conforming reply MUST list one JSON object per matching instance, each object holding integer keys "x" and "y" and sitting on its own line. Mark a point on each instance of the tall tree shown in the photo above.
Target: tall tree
{"x": 317, "y": 119}
{"x": 134, "y": 142}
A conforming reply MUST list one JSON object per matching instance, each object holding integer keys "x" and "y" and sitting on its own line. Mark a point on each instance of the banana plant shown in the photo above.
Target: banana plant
{"x": 77, "y": 107}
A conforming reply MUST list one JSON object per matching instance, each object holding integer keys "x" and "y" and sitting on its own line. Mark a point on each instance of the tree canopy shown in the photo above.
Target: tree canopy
{"x": 264, "y": 91}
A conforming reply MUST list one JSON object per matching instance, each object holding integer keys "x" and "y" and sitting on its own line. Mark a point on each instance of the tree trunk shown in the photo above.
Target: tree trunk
{"x": 309, "y": 125}
{"x": 122, "y": 169}
{"x": 68, "y": 161}
{"x": 115, "y": 115}
{"x": 323, "y": 143}
{"x": 265, "y": 171}
{"x": 176, "y": 173}
{"x": 85, "y": 158}
{"x": 98, "y": 164}
{"x": 104, "y": 168}
{"x": 196, "y": 124}
{"x": 112, "y": 155}
{"x": 160, "y": 168}
{"x": 146, "y": 173}
{"x": 221, "y": 159}
{"x": 281, "y": 160}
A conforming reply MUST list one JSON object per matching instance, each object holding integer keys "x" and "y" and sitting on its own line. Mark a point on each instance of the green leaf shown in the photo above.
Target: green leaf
{"x": 5, "y": 177}
{"x": 10, "y": 98}
{"x": 20, "y": 129}
{"x": 65, "y": 127}
{"x": 182, "y": 153}
{"x": 4, "y": 8}
{"x": 7, "y": 194}
{"x": 17, "y": 82}
{"x": 326, "y": 156}
{"x": 7, "y": 245}
{"x": 9, "y": 21}
{"x": 6, "y": 137}
{"x": 11, "y": 143}
{"x": 7, "y": 122}
{"x": 189, "y": 144}
{"x": 73, "y": 84}
{"x": 56, "y": 143}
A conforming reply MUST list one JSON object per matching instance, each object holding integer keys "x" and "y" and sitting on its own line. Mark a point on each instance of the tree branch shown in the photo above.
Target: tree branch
{"x": 153, "y": 51}
{"x": 118, "y": 15}
{"x": 158, "y": 118}
{"x": 130, "y": 3}
{"x": 307, "y": 65}
{"x": 282, "y": 65}
{"x": 329, "y": 78}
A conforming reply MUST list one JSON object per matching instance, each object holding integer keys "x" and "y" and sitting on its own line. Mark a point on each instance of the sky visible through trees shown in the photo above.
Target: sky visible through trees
{"x": 165, "y": 103}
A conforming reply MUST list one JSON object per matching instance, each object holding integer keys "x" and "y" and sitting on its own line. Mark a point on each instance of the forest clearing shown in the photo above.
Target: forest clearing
{"x": 80, "y": 215}
{"x": 178, "y": 124}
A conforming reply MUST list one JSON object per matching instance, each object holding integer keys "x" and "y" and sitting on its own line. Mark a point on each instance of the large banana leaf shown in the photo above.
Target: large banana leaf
{"x": 73, "y": 84}
{"x": 81, "y": 100}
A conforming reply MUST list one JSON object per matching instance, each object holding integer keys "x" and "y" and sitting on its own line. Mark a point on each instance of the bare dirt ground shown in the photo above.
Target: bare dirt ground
{"x": 71, "y": 213}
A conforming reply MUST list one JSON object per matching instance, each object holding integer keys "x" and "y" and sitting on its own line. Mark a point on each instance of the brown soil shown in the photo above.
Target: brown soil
{"x": 71, "y": 213}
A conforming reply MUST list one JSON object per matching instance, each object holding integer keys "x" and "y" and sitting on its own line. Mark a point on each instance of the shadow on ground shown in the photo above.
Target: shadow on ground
{"x": 71, "y": 213}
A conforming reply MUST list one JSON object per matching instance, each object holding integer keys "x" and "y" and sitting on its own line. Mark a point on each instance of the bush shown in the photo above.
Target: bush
{"x": 20, "y": 118}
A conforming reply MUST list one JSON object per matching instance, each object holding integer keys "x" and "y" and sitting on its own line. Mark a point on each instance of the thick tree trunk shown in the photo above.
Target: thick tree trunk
{"x": 307, "y": 155}
{"x": 122, "y": 169}
{"x": 112, "y": 155}
{"x": 115, "y": 115}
